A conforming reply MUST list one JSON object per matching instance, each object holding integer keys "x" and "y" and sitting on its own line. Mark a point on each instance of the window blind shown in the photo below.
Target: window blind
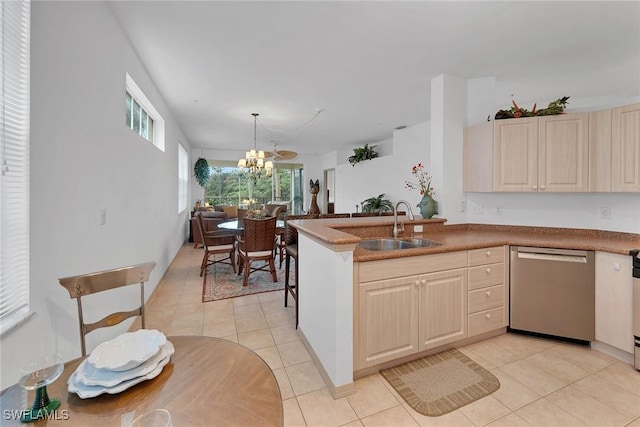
{"x": 14, "y": 151}
{"x": 183, "y": 177}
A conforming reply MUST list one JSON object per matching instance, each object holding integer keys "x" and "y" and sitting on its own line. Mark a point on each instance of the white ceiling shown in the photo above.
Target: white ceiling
{"x": 368, "y": 65}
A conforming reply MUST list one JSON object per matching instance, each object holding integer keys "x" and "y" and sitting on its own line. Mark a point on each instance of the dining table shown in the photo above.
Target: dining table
{"x": 208, "y": 382}
{"x": 237, "y": 226}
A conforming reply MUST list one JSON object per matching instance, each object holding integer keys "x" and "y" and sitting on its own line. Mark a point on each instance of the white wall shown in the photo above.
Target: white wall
{"x": 84, "y": 159}
{"x": 386, "y": 174}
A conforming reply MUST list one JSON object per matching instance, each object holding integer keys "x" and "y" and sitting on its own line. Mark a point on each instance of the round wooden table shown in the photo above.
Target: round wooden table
{"x": 209, "y": 382}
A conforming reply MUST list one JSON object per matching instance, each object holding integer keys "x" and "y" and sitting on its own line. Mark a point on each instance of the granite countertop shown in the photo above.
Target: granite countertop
{"x": 461, "y": 236}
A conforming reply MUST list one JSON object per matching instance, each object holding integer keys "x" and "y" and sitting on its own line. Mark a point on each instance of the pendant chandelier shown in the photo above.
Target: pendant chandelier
{"x": 253, "y": 162}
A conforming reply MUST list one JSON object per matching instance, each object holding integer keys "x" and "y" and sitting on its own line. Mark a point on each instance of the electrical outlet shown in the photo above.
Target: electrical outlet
{"x": 103, "y": 216}
{"x": 605, "y": 212}
{"x": 463, "y": 206}
{"x": 418, "y": 228}
{"x": 477, "y": 209}
{"x": 498, "y": 209}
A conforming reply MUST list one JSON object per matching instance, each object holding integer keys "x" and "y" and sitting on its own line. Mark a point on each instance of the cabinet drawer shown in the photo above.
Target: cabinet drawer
{"x": 486, "y": 321}
{"x": 486, "y": 255}
{"x": 486, "y": 275}
{"x": 484, "y": 299}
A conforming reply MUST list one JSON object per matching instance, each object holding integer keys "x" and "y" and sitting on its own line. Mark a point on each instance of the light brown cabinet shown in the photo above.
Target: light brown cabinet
{"x": 530, "y": 154}
{"x": 439, "y": 299}
{"x": 488, "y": 290}
{"x": 625, "y": 148}
{"x": 400, "y": 316}
{"x": 614, "y": 306}
{"x": 387, "y": 320}
{"x": 442, "y": 308}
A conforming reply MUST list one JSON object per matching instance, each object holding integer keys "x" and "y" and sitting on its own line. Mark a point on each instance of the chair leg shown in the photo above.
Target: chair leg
{"x": 297, "y": 290}
{"x": 272, "y": 268}
{"x": 232, "y": 259}
{"x": 204, "y": 262}
{"x": 247, "y": 270}
{"x": 286, "y": 279}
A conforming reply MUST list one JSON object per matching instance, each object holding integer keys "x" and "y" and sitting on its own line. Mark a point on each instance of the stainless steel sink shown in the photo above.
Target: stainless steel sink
{"x": 396, "y": 244}
{"x": 423, "y": 243}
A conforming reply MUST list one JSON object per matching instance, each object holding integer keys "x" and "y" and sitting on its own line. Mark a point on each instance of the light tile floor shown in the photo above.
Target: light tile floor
{"x": 543, "y": 383}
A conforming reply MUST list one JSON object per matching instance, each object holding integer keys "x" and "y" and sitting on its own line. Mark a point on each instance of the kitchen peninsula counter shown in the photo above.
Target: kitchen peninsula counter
{"x": 462, "y": 236}
{"x": 330, "y": 263}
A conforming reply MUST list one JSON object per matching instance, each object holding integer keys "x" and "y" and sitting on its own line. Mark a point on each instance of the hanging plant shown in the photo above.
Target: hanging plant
{"x": 363, "y": 153}
{"x": 201, "y": 171}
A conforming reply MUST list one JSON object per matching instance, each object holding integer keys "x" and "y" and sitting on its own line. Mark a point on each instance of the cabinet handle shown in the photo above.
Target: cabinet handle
{"x": 488, "y": 253}
{"x": 488, "y": 316}
{"x": 542, "y": 187}
{"x": 417, "y": 283}
{"x": 488, "y": 293}
{"x": 535, "y": 187}
{"x": 488, "y": 270}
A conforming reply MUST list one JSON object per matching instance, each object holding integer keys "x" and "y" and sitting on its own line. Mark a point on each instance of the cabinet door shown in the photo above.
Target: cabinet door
{"x": 443, "y": 308}
{"x": 516, "y": 155}
{"x": 600, "y": 151}
{"x": 387, "y": 320}
{"x": 625, "y": 148}
{"x": 563, "y": 153}
{"x": 614, "y": 301}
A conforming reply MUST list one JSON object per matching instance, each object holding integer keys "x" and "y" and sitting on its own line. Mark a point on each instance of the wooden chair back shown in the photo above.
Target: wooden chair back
{"x": 242, "y": 213}
{"x": 259, "y": 234}
{"x": 335, "y": 215}
{"x": 92, "y": 283}
{"x": 291, "y": 233}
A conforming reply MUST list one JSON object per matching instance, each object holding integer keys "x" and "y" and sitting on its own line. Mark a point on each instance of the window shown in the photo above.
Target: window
{"x": 227, "y": 187}
{"x": 141, "y": 116}
{"x": 14, "y": 177}
{"x": 183, "y": 177}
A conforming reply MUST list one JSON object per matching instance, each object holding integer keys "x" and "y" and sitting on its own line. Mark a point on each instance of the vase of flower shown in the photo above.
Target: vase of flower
{"x": 428, "y": 206}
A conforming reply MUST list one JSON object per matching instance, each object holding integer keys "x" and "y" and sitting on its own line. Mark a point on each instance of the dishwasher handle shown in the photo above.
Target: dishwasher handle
{"x": 551, "y": 254}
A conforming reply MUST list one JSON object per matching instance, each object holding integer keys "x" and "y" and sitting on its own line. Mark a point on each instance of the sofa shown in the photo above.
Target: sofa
{"x": 210, "y": 219}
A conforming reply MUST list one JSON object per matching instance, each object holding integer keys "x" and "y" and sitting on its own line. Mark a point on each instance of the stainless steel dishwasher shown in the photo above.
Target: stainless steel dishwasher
{"x": 553, "y": 292}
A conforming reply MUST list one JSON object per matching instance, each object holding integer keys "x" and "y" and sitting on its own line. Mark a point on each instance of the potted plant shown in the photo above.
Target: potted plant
{"x": 377, "y": 204}
{"x": 201, "y": 171}
{"x": 363, "y": 153}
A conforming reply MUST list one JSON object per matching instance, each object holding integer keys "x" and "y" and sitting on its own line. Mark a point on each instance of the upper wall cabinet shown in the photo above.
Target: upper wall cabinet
{"x": 548, "y": 154}
{"x": 625, "y": 148}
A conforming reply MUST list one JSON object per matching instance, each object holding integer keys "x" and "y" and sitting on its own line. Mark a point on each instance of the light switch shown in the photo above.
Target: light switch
{"x": 103, "y": 216}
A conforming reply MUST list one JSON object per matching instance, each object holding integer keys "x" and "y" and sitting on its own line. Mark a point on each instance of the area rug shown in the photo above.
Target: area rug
{"x": 441, "y": 383}
{"x": 220, "y": 282}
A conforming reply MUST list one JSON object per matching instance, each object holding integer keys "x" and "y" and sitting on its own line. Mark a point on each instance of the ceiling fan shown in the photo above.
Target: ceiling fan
{"x": 280, "y": 154}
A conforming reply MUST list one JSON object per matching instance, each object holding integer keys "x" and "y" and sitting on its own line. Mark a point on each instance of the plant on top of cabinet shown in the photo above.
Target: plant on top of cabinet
{"x": 555, "y": 107}
{"x": 363, "y": 153}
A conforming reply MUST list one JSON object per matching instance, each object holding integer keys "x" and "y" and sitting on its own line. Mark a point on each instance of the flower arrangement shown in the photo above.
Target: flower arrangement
{"x": 424, "y": 181}
{"x": 256, "y": 214}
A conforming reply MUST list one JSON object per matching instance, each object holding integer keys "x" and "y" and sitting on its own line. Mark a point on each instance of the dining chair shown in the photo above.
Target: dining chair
{"x": 291, "y": 251}
{"x": 87, "y": 284}
{"x": 257, "y": 244}
{"x": 364, "y": 214}
{"x": 335, "y": 215}
{"x": 216, "y": 243}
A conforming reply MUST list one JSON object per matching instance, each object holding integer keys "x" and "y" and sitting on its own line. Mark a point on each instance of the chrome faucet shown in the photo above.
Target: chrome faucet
{"x": 395, "y": 218}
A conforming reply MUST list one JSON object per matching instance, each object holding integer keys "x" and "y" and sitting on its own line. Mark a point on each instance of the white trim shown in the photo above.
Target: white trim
{"x": 136, "y": 93}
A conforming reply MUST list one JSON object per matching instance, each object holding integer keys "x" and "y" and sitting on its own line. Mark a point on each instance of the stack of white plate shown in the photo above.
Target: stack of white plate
{"x": 123, "y": 362}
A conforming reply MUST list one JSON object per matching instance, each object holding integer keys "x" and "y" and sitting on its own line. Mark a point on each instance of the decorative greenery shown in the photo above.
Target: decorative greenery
{"x": 555, "y": 107}
{"x": 424, "y": 181}
{"x": 257, "y": 214}
{"x": 377, "y": 204}
{"x": 201, "y": 171}
{"x": 363, "y": 153}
